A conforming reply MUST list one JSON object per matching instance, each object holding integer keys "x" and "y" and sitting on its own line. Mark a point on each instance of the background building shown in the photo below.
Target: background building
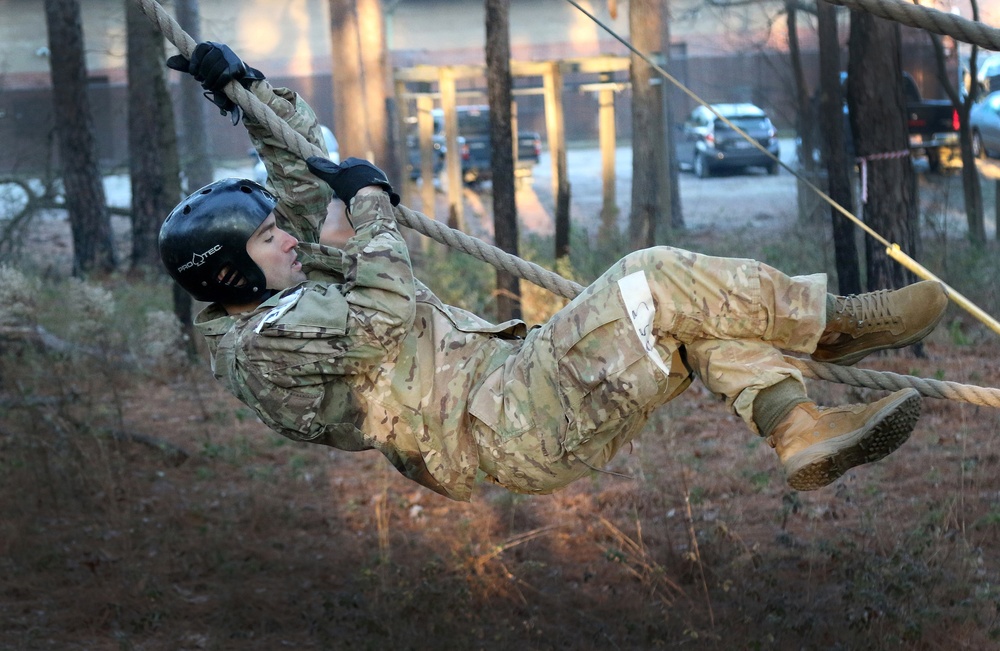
{"x": 730, "y": 55}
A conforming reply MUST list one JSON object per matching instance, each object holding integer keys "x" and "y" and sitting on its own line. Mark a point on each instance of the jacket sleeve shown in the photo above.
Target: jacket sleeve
{"x": 353, "y": 328}
{"x": 302, "y": 198}
{"x": 379, "y": 280}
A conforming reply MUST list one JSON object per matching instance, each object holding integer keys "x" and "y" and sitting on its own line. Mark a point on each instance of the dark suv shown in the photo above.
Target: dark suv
{"x": 706, "y": 144}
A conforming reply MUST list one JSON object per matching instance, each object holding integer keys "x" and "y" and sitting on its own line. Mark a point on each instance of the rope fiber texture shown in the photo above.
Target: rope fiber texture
{"x": 932, "y": 20}
{"x": 531, "y": 272}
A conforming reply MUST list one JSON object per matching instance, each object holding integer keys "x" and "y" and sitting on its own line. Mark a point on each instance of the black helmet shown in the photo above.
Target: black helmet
{"x": 203, "y": 242}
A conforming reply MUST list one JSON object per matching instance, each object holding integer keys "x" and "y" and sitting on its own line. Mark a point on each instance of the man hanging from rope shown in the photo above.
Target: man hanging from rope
{"x": 346, "y": 348}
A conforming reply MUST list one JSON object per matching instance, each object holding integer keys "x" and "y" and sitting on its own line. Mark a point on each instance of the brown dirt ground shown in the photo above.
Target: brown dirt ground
{"x": 695, "y": 542}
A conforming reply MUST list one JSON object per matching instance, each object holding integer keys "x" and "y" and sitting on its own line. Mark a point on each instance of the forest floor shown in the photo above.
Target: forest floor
{"x": 190, "y": 526}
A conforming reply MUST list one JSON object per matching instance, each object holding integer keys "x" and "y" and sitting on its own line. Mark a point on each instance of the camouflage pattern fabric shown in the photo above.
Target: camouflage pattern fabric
{"x": 583, "y": 384}
{"x": 363, "y": 356}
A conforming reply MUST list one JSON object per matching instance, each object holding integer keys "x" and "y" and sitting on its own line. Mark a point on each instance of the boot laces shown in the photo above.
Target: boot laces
{"x": 871, "y": 309}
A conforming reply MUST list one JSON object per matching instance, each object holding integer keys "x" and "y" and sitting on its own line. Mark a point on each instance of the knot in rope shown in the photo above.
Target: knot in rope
{"x": 863, "y": 161}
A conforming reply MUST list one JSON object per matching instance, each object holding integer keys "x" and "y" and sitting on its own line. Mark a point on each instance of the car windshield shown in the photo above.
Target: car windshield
{"x": 473, "y": 121}
{"x": 747, "y": 123}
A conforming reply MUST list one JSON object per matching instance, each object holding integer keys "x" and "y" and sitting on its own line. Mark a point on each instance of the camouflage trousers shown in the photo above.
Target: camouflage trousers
{"x": 582, "y": 385}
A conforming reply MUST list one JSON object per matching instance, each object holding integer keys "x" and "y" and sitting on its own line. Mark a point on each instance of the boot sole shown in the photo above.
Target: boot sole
{"x": 822, "y": 464}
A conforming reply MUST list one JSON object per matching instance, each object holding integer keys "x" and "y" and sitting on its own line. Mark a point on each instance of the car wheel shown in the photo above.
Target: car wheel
{"x": 701, "y": 168}
{"x": 772, "y": 168}
{"x": 977, "y": 145}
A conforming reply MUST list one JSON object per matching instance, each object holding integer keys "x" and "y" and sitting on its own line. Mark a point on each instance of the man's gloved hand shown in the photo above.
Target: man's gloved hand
{"x": 350, "y": 176}
{"x": 215, "y": 65}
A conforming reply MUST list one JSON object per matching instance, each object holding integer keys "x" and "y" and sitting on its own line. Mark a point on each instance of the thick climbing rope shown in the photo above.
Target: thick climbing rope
{"x": 297, "y": 143}
{"x": 929, "y": 19}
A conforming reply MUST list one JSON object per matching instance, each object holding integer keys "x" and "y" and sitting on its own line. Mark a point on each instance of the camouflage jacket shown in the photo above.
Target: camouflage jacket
{"x": 362, "y": 355}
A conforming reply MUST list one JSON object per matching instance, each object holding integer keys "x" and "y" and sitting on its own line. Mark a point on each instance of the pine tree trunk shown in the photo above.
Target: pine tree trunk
{"x": 670, "y": 195}
{"x": 152, "y": 142}
{"x": 195, "y": 154}
{"x": 834, "y": 146}
{"x": 350, "y": 116}
{"x": 196, "y": 161}
{"x": 878, "y": 120}
{"x": 498, "y": 82}
{"x": 375, "y": 79}
{"x": 360, "y": 81}
{"x": 644, "y": 28}
{"x": 90, "y": 222}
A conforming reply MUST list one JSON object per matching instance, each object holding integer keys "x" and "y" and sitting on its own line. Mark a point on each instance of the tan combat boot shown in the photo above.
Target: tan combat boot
{"x": 864, "y": 323}
{"x": 817, "y": 445}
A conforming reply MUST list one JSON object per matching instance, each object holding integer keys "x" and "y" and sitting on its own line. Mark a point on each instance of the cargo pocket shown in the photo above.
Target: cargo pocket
{"x": 503, "y": 402}
{"x": 609, "y": 369}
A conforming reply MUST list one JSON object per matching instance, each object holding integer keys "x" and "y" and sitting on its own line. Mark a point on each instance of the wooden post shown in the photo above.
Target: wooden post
{"x": 608, "y": 139}
{"x": 453, "y": 158}
{"x": 516, "y": 141}
{"x": 425, "y": 127}
{"x": 400, "y": 175}
{"x": 552, "y": 87}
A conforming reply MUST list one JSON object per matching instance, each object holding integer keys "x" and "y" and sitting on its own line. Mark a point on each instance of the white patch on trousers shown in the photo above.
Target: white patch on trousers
{"x": 638, "y": 300}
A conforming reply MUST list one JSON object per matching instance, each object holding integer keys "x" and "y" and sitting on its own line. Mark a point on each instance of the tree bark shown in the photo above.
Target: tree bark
{"x": 360, "y": 80}
{"x": 972, "y": 189}
{"x": 152, "y": 142}
{"x": 878, "y": 120}
{"x": 376, "y": 82}
{"x": 90, "y": 221}
{"x": 647, "y": 124}
{"x": 834, "y": 148}
{"x": 196, "y": 159}
{"x": 498, "y": 82}
{"x": 350, "y": 117}
{"x": 670, "y": 195}
{"x": 803, "y": 114}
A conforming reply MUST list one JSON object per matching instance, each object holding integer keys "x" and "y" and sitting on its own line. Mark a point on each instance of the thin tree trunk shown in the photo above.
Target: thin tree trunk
{"x": 498, "y": 81}
{"x": 878, "y": 120}
{"x": 195, "y": 157}
{"x": 972, "y": 190}
{"x": 803, "y": 115}
{"x": 834, "y": 147}
{"x": 670, "y": 199}
{"x": 375, "y": 82}
{"x": 644, "y": 29}
{"x": 153, "y": 164}
{"x": 196, "y": 160}
{"x": 350, "y": 115}
{"x": 86, "y": 204}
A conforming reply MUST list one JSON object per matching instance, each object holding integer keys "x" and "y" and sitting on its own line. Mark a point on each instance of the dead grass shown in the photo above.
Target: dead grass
{"x": 255, "y": 543}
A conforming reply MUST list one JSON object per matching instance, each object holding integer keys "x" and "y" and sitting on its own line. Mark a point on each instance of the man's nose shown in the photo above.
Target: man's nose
{"x": 290, "y": 242}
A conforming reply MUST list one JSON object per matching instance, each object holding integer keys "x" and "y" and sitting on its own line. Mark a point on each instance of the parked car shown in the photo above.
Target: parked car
{"x": 984, "y": 122}
{"x": 989, "y": 73}
{"x": 932, "y": 126}
{"x": 332, "y": 149}
{"x": 706, "y": 144}
{"x": 474, "y": 131}
{"x": 474, "y": 145}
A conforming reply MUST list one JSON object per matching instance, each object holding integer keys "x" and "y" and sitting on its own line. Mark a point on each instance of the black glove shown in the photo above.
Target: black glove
{"x": 350, "y": 176}
{"x": 215, "y": 65}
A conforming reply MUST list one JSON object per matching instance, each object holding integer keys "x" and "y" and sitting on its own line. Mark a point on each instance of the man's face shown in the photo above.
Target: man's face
{"x": 274, "y": 252}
